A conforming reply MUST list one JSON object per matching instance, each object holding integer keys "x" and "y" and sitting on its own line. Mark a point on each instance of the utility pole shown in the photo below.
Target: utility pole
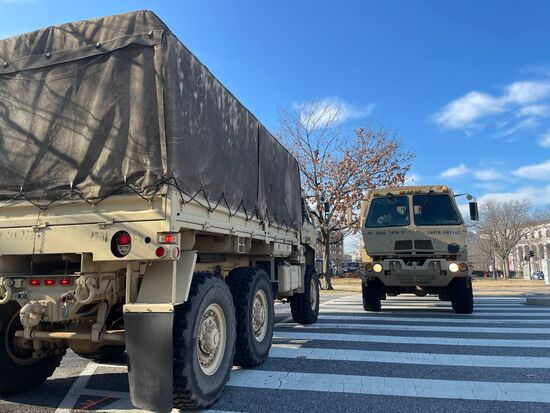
{"x": 530, "y": 254}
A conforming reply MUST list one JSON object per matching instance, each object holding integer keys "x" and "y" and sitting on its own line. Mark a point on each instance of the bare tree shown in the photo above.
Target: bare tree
{"x": 503, "y": 224}
{"x": 337, "y": 169}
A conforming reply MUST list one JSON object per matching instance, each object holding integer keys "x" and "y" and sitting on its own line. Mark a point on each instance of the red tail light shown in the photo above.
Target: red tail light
{"x": 124, "y": 239}
{"x": 168, "y": 238}
{"x": 49, "y": 282}
{"x": 35, "y": 282}
{"x": 160, "y": 252}
{"x": 65, "y": 282}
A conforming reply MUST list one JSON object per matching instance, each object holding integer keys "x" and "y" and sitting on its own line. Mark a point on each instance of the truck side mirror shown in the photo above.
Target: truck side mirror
{"x": 474, "y": 213}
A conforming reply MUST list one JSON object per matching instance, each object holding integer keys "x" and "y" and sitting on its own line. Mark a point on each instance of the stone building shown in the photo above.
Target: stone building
{"x": 538, "y": 241}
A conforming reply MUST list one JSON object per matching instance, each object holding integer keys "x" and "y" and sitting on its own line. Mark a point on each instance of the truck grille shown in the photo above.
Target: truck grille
{"x": 403, "y": 245}
{"x": 410, "y": 279}
{"x": 423, "y": 244}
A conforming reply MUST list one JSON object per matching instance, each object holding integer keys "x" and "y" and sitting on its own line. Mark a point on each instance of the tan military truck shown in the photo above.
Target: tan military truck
{"x": 415, "y": 242}
{"x": 142, "y": 208}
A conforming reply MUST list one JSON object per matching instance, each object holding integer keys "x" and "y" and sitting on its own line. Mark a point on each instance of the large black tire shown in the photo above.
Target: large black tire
{"x": 462, "y": 296}
{"x": 372, "y": 296}
{"x": 305, "y": 306}
{"x": 251, "y": 288}
{"x": 193, "y": 387}
{"x": 18, "y": 370}
{"x": 105, "y": 353}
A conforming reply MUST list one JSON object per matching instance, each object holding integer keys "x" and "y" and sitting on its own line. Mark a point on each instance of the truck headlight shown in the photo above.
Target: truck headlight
{"x": 462, "y": 266}
{"x": 377, "y": 267}
{"x": 453, "y": 267}
{"x": 368, "y": 266}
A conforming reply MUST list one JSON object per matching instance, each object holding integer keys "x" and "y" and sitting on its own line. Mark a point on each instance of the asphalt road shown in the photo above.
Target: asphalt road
{"x": 414, "y": 356}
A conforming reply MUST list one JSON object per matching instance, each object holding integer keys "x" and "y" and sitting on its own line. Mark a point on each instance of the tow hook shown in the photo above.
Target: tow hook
{"x": 6, "y": 290}
{"x": 86, "y": 285}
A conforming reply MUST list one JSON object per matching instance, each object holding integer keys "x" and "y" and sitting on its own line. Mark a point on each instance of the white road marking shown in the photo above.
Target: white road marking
{"x": 294, "y": 351}
{"x": 435, "y": 311}
{"x": 437, "y": 304}
{"x": 442, "y": 341}
{"x": 333, "y": 300}
{"x": 393, "y": 312}
{"x": 411, "y": 298}
{"x": 404, "y": 327}
{"x": 391, "y": 386}
{"x": 408, "y": 308}
{"x": 122, "y": 405}
{"x": 451, "y": 320}
{"x": 68, "y": 403}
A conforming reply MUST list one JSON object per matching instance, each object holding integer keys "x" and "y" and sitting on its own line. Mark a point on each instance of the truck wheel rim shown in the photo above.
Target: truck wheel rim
{"x": 19, "y": 350}
{"x": 260, "y": 315}
{"x": 313, "y": 294}
{"x": 211, "y": 339}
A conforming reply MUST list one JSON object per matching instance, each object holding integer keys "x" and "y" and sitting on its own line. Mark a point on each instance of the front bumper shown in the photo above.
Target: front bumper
{"x": 433, "y": 272}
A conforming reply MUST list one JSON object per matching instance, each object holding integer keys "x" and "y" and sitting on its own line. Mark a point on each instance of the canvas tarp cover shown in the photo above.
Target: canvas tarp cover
{"x": 118, "y": 105}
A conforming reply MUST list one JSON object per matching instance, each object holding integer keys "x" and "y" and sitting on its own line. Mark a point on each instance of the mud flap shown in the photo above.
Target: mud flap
{"x": 150, "y": 359}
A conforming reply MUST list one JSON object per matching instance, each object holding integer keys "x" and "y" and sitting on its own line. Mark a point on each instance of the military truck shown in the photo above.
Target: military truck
{"x": 415, "y": 242}
{"x": 143, "y": 209}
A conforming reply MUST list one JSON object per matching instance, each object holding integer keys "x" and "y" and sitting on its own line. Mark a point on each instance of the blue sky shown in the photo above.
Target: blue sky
{"x": 465, "y": 83}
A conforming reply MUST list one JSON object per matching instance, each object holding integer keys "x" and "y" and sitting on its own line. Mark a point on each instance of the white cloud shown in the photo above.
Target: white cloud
{"x": 412, "y": 178}
{"x": 534, "y": 110}
{"x": 527, "y": 91}
{"x": 455, "y": 171}
{"x": 528, "y": 123}
{"x": 544, "y": 140}
{"x": 466, "y": 111}
{"x": 319, "y": 113}
{"x": 487, "y": 175}
{"x": 537, "y": 196}
{"x": 535, "y": 171}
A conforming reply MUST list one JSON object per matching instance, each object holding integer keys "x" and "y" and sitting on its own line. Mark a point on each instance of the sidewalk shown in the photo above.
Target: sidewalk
{"x": 482, "y": 286}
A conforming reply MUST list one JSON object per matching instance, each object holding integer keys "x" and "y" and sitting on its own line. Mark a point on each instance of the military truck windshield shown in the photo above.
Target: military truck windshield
{"x": 391, "y": 211}
{"x": 435, "y": 209}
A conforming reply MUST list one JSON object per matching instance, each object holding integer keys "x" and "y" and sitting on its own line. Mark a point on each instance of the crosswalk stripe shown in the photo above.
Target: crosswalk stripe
{"x": 391, "y": 386}
{"x": 485, "y": 311}
{"x": 402, "y": 327}
{"x": 444, "y": 341}
{"x": 295, "y": 351}
{"x": 445, "y": 320}
{"x": 408, "y": 311}
{"x": 430, "y": 299}
{"x": 439, "y": 304}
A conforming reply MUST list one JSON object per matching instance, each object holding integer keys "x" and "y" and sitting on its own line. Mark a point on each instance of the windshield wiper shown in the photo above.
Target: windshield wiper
{"x": 430, "y": 192}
